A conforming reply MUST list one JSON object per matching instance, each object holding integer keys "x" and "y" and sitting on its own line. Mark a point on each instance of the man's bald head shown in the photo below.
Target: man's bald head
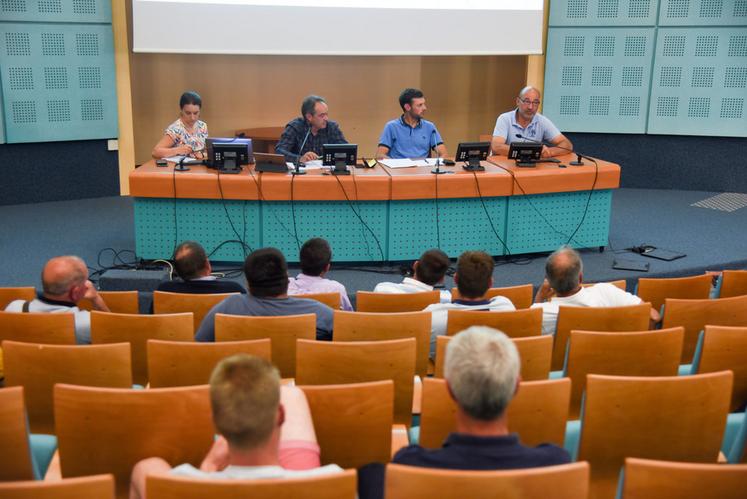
{"x": 563, "y": 270}
{"x": 62, "y": 273}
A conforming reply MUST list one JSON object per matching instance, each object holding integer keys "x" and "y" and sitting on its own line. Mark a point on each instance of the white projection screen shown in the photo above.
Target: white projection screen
{"x": 339, "y": 27}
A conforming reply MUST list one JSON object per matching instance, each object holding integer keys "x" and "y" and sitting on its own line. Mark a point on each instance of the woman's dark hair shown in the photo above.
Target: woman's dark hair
{"x": 190, "y": 97}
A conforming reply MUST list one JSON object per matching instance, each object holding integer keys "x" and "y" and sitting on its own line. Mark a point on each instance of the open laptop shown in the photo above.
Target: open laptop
{"x": 270, "y": 163}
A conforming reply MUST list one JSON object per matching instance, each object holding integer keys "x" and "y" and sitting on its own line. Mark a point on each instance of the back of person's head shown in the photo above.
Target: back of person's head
{"x": 266, "y": 273}
{"x": 482, "y": 369}
{"x": 245, "y": 394}
{"x": 432, "y": 267}
{"x": 190, "y": 97}
{"x": 308, "y": 105}
{"x": 474, "y": 273}
{"x": 315, "y": 255}
{"x": 563, "y": 270}
{"x": 62, "y": 273}
{"x": 190, "y": 260}
{"x": 408, "y": 95}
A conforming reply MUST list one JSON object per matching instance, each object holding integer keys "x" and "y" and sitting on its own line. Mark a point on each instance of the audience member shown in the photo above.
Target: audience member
{"x": 473, "y": 278}
{"x": 562, "y": 286}
{"x": 427, "y": 272}
{"x": 315, "y": 257}
{"x": 64, "y": 283}
{"x": 267, "y": 276}
{"x": 192, "y": 265}
{"x": 265, "y": 430}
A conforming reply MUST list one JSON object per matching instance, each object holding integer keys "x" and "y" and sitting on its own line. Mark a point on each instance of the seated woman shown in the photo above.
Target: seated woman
{"x": 186, "y": 136}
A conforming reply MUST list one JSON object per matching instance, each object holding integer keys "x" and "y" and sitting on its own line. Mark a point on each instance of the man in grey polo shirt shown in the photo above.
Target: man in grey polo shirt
{"x": 531, "y": 125}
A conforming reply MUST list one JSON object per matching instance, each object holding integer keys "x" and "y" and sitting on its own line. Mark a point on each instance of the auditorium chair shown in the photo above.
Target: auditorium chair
{"x": 733, "y": 283}
{"x": 677, "y": 418}
{"x": 656, "y": 290}
{"x": 15, "y": 459}
{"x": 694, "y": 315}
{"x": 367, "y": 301}
{"x": 520, "y": 296}
{"x": 644, "y": 353}
{"x": 181, "y": 363}
{"x": 535, "y": 354}
{"x": 57, "y": 329}
{"x": 199, "y": 304}
{"x": 97, "y": 486}
{"x": 332, "y": 300}
{"x": 365, "y": 326}
{"x": 283, "y": 332}
{"x": 8, "y": 295}
{"x": 108, "y": 430}
{"x": 330, "y": 363}
{"x": 136, "y": 330}
{"x": 724, "y": 348}
{"x": 566, "y": 481}
{"x": 37, "y": 368}
{"x": 538, "y": 412}
{"x": 353, "y": 422}
{"x": 333, "y": 486}
{"x": 646, "y": 478}
{"x": 628, "y": 318}
{"x": 119, "y": 302}
{"x": 516, "y": 324}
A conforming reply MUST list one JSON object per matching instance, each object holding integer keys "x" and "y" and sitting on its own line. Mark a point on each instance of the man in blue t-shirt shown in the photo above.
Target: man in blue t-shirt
{"x": 531, "y": 125}
{"x": 410, "y": 136}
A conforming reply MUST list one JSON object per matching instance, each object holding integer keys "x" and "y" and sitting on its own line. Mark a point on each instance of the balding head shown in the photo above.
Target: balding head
{"x": 563, "y": 270}
{"x": 535, "y": 94}
{"x": 61, "y": 274}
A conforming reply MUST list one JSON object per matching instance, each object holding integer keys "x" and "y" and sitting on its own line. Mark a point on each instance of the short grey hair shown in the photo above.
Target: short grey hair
{"x": 482, "y": 368}
{"x": 527, "y": 89}
{"x": 75, "y": 275}
{"x": 309, "y": 104}
{"x": 563, "y": 269}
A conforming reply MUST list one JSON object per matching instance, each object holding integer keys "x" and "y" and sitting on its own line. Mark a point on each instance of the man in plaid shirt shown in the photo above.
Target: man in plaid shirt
{"x": 314, "y": 127}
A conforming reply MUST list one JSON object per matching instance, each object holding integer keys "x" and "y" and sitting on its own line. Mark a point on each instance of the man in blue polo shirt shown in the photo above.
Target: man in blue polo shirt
{"x": 531, "y": 125}
{"x": 410, "y": 136}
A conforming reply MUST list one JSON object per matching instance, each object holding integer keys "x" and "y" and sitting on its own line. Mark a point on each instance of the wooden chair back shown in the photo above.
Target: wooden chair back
{"x": 694, "y": 315}
{"x": 15, "y": 460}
{"x": 181, "y": 363}
{"x": 130, "y": 425}
{"x": 165, "y": 302}
{"x": 53, "y": 329}
{"x": 725, "y": 348}
{"x": 367, "y": 301}
{"x": 119, "y": 302}
{"x": 567, "y": 481}
{"x": 353, "y": 422}
{"x": 136, "y": 330}
{"x": 538, "y": 412}
{"x": 656, "y": 290}
{"x": 283, "y": 332}
{"x": 516, "y": 324}
{"x": 333, "y": 486}
{"x": 9, "y": 294}
{"x": 38, "y": 367}
{"x": 98, "y": 486}
{"x": 332, "y": 300}
{"x": 629, "y": 318}
{"x": 535, "y": 354}
{"x": 644, "y": 353}
{"x": 332, "y": 363}
{"x": 733, "y": 283}
{"x": 652, "y": 418}
{"x": 645, "y": 478}
{"x": 520, "y": 296}
{"x": 371, "y": 326}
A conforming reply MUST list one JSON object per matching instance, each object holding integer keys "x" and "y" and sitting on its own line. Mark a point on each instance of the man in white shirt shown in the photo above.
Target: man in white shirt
{"x": 473, "y": 278}
{"x": 427, "y": 272}
{"x": 265, "y": 431}
{"x": 562, "y": 286}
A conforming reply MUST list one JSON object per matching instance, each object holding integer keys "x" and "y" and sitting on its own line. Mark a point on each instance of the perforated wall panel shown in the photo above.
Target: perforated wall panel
{"x": 603, "y": 12}
{"x": 699, "y": 85}
{"x": 77, "y": 11}
{"x": 703, "y": 13}
{"x": 58, "y": 81}
{"x": 2, "y": 121}
{"x": 597, "y": 79}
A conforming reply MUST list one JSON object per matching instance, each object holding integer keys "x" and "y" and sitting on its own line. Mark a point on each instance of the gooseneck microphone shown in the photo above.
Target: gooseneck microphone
{"x": 297, "y": 169}
{"x": 437, "y": 170}
{"x": 577, "y": 162}
{"x": 180, "y": 166}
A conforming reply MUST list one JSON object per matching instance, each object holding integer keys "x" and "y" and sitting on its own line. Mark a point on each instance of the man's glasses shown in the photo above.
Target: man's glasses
{"x": 530, "y": 102}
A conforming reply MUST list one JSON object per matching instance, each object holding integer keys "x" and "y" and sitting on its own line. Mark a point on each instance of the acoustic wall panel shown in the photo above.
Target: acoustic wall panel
{"x": 603, "y": 12}
{"x": 699, "y": 84}
{"x": 58, "y": 81}
{"x": 597, "y": 79}
{"x": 76, "y": 11}
{"x": 703, "y": 13}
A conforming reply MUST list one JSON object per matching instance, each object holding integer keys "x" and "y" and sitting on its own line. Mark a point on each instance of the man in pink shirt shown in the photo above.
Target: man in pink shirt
{"x": 315, "y": 257}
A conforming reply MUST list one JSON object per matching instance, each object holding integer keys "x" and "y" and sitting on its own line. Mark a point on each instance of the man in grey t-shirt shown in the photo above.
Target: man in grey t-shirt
{"x": 267, "y": 277}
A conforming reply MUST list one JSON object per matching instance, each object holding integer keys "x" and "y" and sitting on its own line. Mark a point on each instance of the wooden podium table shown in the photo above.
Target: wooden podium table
{"x": 376, "y": 214}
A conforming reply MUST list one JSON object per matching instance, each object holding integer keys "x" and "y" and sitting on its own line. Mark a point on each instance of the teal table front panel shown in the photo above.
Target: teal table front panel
{"x": 543, "y": 222}
{"x": 462, "y": 225}
{"x": 353, "y": 239}
{"x": 209, "y": 222}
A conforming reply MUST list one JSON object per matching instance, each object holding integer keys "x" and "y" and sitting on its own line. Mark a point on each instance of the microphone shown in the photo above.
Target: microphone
{"x": 437, "y": 170}
{"x": 578, "y": 161}
{"x": 297, "y": 170}
{"x": 180, "y": 166}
